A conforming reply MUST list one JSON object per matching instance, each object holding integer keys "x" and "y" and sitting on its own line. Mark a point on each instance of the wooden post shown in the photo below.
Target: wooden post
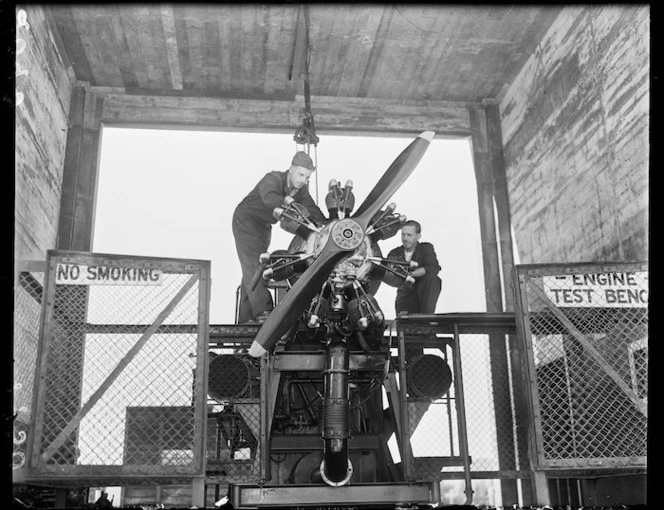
{"x": 61, "y": 498}
{"x": 589, "y": 492}
{"x": 485, "y": 146}
{"x": 506, "y": 250}
{"x": 540, "y": 488}
{"x": 81, "y": 170}
{"x": 501, "y": 200}
{"x": 60, "y": 354}
{"x": 198, "y": 492}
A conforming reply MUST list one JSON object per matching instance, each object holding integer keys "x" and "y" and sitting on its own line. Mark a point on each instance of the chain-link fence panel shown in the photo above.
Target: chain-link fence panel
{"x": 28, "y": 292}
{"x": 234, "y": 407}
{"x": 123, "y": 371}
{"x": 492, "y": 397}
{"x": 586, "y": 333}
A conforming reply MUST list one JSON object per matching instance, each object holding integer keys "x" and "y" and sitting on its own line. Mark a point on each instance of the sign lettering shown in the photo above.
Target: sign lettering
{"x": 602, "y": 290}
{"x": 76, "y": 274}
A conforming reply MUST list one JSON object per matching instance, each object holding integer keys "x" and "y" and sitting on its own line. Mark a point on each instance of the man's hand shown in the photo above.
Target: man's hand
{"x": 408, "y": 282}
{"x": 418, "y": 273}
{"x": 288, "y": 200}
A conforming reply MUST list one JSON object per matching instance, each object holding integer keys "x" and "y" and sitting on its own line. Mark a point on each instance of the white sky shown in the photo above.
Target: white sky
{"x": 170, "y": 193}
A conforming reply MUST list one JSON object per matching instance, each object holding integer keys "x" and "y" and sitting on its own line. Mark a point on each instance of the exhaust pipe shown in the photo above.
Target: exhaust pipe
{"x": 336, "y": 468}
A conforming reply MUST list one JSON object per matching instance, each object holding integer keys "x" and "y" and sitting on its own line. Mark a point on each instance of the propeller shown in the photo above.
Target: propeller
{"x": 344, "y": 236}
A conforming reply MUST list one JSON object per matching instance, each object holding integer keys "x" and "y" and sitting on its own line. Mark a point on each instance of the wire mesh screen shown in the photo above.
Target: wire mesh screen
{"x": 123, "y": 368}
{"x": 490, "y": 402}
{"x": 28, "y": 292}
{"x": 234, "y": 414}
{"x": 464, "y": 400}
{"x": 586, "y": 328}
{"x": 431, "y": 410}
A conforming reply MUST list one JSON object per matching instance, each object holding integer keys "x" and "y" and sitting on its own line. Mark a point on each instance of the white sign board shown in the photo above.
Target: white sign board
{"x": 76, "y": 274}
{"x": 600, "y": 290}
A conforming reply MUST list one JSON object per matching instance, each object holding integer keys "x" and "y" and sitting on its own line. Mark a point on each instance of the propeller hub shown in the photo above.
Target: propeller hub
{"x": 347, "y": 234}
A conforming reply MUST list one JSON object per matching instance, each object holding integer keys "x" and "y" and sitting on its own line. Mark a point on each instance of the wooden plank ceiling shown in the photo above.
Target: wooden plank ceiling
{"x": 397, "y": 52}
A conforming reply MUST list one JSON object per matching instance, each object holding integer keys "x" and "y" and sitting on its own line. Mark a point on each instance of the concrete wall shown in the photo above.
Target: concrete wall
{"x": 40, "y": 138}
{"x": 575, "y": 131}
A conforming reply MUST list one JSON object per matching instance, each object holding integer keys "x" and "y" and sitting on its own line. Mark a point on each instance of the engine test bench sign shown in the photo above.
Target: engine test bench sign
{"x": 77, "y": 274}
{"x": 605, "y": 290}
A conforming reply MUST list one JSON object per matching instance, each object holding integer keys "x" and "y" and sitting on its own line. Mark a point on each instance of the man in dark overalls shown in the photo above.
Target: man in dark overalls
{"x": 422, "y": 296}
{"x": 252, "y": 228}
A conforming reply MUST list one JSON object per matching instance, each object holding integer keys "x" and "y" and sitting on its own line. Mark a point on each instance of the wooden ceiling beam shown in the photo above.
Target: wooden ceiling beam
{"x": 332, "y": 113}
{"x": 299, "y": 48}
{"x": 168, "y": 23}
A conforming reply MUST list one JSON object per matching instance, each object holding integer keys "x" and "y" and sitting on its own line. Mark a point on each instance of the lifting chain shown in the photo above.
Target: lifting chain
{"x": 306, "y": 133}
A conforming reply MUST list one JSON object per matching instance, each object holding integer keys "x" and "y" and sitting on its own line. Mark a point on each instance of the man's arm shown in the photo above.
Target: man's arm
{"x": 429, "y": 262}
{"x": 271, "y": 190}
{"x": 315, "y": 214}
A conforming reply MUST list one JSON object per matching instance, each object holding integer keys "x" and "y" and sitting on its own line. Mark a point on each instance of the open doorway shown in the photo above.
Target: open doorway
{"x": 171, "y": 193}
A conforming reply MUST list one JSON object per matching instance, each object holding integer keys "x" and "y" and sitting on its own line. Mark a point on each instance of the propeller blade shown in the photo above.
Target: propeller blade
{"x": 394, "y": 177}
{"x": 345, "y": 236}
{"x": 297, "y": 299}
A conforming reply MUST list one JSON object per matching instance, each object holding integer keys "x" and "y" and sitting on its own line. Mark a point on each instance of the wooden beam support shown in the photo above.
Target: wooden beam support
{"x": 485, "y": 196}
{"x": 81, "y": 167}
{"x": 506, "y": 253}
{"x": 299, "y": 48}
{"x": 501, "y": 199}
{"x": 337, "y": 113}
{"x": 484, "y": 148}
{"x": 168, "y": 24}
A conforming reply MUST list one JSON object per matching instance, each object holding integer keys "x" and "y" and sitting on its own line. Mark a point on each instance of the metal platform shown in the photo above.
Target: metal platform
{"x": 376, "y": 495}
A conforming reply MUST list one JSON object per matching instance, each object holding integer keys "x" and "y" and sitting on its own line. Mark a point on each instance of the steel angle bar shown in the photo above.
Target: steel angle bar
{"x": 583, "y": 340}
{"x": 407, "y": 452}
{"x": 461, "y": 415}
{"x": 94, "y": 398}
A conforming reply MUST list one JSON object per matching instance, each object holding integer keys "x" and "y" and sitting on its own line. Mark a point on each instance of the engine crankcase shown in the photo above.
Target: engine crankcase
{"x": 355, "y": 267}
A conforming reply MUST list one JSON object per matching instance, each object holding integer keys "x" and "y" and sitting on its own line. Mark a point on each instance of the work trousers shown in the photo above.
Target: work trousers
{"x": 421, "y": 297}
{"x": 251, "y": 239}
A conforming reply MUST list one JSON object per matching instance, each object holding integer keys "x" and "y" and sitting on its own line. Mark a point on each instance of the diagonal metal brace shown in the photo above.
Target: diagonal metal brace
{"x": 94, "y": 398}
{"x": 583, "y": 340}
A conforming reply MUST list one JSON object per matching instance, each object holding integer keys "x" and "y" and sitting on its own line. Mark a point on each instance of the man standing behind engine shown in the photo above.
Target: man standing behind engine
{"x": 421, "y": 297}
{"x": 252, "y": 228}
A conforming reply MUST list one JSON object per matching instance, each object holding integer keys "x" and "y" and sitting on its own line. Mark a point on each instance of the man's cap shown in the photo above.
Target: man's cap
{"x": 302, "y": 159}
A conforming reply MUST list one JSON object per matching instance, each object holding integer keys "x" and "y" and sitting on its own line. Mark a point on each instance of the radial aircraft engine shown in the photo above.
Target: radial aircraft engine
{"x": 331, "y": 275}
